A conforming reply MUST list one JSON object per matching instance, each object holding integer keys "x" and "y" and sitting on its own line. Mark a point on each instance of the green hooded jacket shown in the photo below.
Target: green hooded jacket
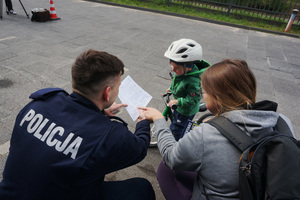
{"x": 185, "y": 88}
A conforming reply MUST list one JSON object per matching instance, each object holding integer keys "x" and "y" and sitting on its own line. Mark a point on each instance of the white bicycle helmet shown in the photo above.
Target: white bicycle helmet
{"x": 184, "y": 51}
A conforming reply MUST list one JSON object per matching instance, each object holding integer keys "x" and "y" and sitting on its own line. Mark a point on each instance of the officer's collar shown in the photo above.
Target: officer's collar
{"x": 84, "y": 101}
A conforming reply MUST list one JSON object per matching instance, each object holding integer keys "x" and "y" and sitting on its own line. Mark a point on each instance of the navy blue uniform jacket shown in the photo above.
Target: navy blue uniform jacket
{"x": 62, "y": 146}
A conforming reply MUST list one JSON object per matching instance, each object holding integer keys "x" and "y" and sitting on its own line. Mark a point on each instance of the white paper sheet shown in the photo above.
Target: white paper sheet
{"x": 133, "y": 95}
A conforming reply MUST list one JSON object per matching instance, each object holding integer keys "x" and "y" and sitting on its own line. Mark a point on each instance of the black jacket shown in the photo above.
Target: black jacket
{"x": 62, "y": 146}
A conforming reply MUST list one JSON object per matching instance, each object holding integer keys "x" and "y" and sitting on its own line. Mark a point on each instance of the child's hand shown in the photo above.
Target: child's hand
{"x": 168, "y": 90}
{"x": 172, "y": 102}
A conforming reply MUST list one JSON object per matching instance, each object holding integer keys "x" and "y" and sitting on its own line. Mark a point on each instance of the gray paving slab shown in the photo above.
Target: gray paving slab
{"x": 36, "y": 55}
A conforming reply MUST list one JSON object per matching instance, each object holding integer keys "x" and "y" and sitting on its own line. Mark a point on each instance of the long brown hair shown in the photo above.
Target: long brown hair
{"x": 230, "y": 84}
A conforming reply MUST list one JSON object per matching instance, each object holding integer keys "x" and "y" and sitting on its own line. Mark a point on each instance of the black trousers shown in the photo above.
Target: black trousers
{"x": 8, "y": 5}
{"x": 130, "y": 189}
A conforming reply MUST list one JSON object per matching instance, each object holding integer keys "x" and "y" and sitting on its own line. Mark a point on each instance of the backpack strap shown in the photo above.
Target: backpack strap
{"x": 232, "y": 132}
{"x": 283, "y": 127}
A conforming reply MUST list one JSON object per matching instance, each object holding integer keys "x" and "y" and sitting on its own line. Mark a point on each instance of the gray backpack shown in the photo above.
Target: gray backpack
{"x": 268, "y": 168}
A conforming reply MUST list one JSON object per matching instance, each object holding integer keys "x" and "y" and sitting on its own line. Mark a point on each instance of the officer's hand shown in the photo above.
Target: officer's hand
{"x": 114, "y": 109}
{"x": 142, "y": 114}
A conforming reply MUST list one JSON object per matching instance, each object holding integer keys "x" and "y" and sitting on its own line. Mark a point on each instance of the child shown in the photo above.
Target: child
{"x": 185, "y": 59}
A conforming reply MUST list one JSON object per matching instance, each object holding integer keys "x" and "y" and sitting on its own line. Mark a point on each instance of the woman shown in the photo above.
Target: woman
{"x": 229, "y": 90}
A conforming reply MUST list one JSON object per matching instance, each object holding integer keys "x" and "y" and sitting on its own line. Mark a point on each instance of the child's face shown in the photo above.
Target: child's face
{"x": 177, "y": 69}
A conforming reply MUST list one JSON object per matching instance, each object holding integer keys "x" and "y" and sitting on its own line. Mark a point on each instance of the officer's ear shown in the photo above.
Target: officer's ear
{"x": 106, "y": 93}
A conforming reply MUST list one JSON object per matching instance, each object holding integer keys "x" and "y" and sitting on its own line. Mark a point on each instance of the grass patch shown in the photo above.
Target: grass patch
{"x": 243, "y": 20}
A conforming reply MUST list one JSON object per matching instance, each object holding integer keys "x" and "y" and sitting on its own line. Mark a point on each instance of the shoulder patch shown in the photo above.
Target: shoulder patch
{"x": 45, "y": 93}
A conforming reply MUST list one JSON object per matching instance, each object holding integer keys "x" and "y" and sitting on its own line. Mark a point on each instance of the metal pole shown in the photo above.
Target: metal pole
{"x": 1, "y": 8}
{"x": 293, "y": 16}
{"x": 24, "y": 9}
{"x": 230, "y": 6}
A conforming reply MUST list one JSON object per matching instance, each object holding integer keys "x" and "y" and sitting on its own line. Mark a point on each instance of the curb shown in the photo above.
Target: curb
{"x": 195, "y": 18}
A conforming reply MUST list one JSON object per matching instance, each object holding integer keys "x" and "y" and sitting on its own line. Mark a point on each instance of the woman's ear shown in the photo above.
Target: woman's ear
{"x": 107, "y": 93}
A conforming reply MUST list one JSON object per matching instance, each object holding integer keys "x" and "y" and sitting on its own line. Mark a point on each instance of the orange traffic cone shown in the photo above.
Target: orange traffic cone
{"x": 53, "y": 15}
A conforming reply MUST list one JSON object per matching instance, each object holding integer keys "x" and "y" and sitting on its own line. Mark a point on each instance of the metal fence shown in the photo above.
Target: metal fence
{"x": 277, "y": 10}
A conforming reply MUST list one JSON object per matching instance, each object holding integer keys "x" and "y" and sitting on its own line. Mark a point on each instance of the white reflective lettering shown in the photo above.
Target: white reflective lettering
{"x": 37, "y": 119}
{"x": 37, "y": 132}
{"x": 51, "y": 134}
{"x": 73, "y": 147}
{"x": 60, "y": 147}
{"x": 28, "y": 116}
{"x": 50, "y": 141}
{"x": 48, "y": 131}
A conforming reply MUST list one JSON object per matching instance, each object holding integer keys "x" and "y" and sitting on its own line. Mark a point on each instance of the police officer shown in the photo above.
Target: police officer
{"x": 63, "y": 145}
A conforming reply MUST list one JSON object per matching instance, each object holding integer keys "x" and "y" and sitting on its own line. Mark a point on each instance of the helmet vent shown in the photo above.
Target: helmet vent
{"x": 191, "y": 45}
{"x": 181, "y": 50}
{"x": 171, "y": 47}
{"x": 184, "y": 56}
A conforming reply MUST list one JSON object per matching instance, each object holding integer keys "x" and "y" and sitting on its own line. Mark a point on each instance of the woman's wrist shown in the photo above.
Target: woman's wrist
{"x": 156, "y": 117}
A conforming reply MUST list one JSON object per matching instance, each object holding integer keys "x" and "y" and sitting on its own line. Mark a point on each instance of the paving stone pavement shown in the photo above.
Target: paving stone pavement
{"x": 36, "y": 55}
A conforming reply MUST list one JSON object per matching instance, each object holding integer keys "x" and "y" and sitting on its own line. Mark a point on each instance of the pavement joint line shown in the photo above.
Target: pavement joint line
{"x": 7, "y": 38}
{"x": 4, "y": 148}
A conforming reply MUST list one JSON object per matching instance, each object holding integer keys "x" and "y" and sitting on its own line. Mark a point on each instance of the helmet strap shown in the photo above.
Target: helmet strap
{"x": 185, "y": 65}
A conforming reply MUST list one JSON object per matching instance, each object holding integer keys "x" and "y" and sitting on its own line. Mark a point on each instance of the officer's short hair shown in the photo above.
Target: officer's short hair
{"x": 93, "y": 69}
